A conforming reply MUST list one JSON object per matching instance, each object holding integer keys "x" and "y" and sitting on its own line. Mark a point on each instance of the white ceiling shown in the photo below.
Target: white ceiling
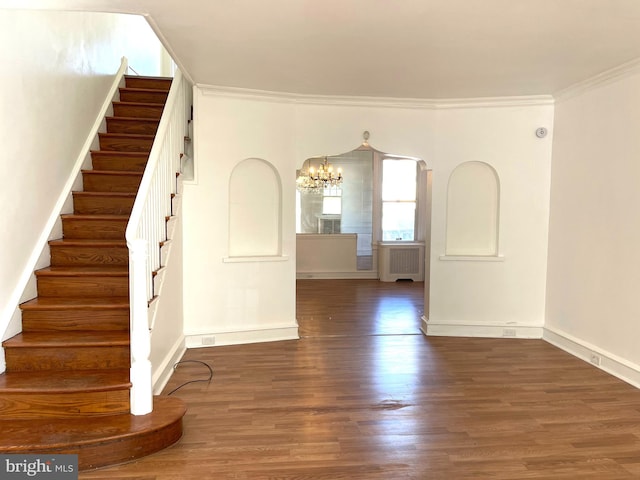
{"x": 429, "y": 49}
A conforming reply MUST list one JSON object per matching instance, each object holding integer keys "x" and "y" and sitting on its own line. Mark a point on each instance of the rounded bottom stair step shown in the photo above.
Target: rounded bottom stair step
{"x": 99, "y": 441}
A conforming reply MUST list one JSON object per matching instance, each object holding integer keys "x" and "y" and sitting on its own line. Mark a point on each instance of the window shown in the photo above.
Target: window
{"x": 399, "y": 179}
{"x": 332, "y": 201}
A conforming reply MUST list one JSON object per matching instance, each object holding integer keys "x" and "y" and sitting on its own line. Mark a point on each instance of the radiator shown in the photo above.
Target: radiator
{"x": 401, "y": 261}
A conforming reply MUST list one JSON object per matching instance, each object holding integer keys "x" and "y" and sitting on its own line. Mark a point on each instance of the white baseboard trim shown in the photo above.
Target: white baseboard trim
{"x": 479, "y": 330}
{"x": 241, "y": 337}
{"x": 606, "y": 361}
{"x": 164, "y": 371}
{"x": 336, "y": 275}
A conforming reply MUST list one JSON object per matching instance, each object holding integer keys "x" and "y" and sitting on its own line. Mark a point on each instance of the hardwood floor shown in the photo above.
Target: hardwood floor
{"x": 358, "y": 307}
{"x": 363, "y": 395}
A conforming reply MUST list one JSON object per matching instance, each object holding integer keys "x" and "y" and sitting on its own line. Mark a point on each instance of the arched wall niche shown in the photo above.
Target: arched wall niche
{"x": 255, "y": 209}
{"x": 473, "y": 210}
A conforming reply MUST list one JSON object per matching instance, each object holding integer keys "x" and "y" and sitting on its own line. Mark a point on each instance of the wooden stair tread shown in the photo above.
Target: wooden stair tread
{"x": 127, "y": 135}
{"x": 120, "y": 160}
{"x": 87, "y": 249}
{"x": 104, "y": 440}
{"x": 159, "y": 78}
{"x": 131, "y": 119}
{"x": 141, "y": 104}
{"x": 112, "y": 172}
{"x": 113, "y": 153}
{"x": 135, "y": 119}
{"x": 53, "y": 381}
{"x": 143, "y": 95}
{"x": 105, "y": 270}
{"x": 67, "y": 339}
{"x": 126, "y": 142}
{"x": 71, "y": 303}
{"x": 142, "y": 89}
{"x": 94, "y": 216}
{"x": 105, "y": 194}
{"x": 87, "y": 242}
{"x": 138, "y": 109}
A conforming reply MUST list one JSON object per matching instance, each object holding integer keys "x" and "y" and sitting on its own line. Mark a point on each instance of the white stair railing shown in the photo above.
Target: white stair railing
{"x": 147, "y": 229}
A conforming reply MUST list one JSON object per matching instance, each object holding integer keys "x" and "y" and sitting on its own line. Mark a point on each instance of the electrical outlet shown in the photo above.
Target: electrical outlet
{"x": 595, "y": 359}
{"x": 209, "y": 340}
{"x": 509, "y": 332}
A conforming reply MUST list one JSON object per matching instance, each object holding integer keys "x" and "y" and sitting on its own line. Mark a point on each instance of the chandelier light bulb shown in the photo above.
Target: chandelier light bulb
{"x": 317, "y": 180}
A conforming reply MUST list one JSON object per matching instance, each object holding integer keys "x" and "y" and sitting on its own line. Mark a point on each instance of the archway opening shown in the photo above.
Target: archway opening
{"x": 372, "y": 225}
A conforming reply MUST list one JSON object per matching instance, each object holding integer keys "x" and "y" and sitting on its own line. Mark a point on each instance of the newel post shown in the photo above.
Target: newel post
{"x": 140, "y": 375}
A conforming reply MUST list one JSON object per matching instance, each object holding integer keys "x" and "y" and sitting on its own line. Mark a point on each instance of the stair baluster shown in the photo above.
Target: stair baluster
{"x": 147, "y": 226}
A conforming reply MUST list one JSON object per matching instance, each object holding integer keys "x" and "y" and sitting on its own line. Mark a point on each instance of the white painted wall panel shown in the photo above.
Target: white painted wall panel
{"x": 221, "y": 296}
{"x": 326, "y": 254}
{"x": 594, "y": 279}
{"x": 512, "y": 291}
{"x": 256, "y": 296}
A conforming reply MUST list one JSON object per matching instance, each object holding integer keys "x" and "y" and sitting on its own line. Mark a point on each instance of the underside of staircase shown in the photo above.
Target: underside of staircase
{"x": 66, "y": 387}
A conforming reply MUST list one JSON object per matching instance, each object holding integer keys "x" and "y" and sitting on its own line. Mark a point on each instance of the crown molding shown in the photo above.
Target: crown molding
{"x": 492, "y": 102}
{"x": 604, "y": 78}
{"x": 363, "y": 101}
{"x": 70, "y": 6}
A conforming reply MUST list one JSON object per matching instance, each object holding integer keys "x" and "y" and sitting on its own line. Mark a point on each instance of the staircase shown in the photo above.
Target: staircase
{"x": 66, "y": 387}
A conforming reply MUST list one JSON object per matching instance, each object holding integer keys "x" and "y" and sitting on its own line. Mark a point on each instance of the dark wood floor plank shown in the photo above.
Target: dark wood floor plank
{"x": 363, "y": 395}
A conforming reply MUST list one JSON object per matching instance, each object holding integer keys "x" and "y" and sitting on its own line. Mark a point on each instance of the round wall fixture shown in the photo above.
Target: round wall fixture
{"x": 541, "y": 132}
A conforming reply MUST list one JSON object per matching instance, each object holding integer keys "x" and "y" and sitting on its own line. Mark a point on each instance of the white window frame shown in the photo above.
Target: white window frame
{"x": 414, "y": 201}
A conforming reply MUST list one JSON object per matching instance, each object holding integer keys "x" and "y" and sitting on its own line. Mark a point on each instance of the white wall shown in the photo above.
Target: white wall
{"x": 593, "y": 271}
{"x": 56, "y": 70}
{"x": 326, "y": 255}
{"x": 484, "y": 297}
{"x": 167, "y": 325}
{"x": 467, "y": 297}
{"x": 237, "y": 300}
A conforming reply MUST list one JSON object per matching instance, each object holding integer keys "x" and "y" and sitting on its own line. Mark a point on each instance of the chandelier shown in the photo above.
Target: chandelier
{"x": 316, "y": 180}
